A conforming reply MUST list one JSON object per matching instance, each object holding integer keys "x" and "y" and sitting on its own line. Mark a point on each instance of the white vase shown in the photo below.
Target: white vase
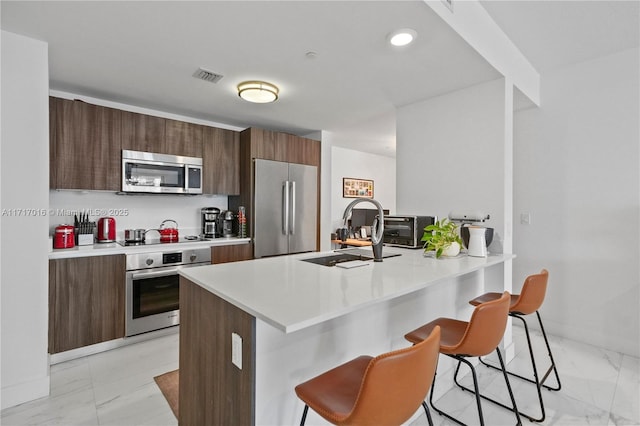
{"x": 452, "y": 250}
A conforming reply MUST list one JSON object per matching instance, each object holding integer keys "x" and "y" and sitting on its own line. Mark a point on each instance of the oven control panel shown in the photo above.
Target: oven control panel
{"x": 149, "y": 260}
{"x": 172, "y": 258}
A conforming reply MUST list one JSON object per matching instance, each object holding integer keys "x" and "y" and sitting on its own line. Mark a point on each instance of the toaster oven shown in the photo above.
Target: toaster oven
{"x": 405, "y": 231}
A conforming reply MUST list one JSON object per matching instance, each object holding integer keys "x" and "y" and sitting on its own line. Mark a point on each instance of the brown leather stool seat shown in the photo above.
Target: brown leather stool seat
{"x": 527, "y": 302}
{"x": 385, "y": 390}
{"x": 479, "y": 336}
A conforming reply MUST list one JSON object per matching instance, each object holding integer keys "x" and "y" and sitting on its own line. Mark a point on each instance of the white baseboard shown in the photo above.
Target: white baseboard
{"x": 111, "y": 344}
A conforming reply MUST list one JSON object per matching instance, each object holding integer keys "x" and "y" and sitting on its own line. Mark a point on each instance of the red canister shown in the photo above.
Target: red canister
{"x": 64, "y": 237}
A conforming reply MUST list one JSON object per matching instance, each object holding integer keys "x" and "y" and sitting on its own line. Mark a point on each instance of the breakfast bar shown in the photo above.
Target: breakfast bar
{"x": 251, "y": 331}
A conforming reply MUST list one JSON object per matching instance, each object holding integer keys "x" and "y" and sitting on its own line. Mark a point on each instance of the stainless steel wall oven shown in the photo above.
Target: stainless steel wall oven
{"x": 153, "y": 287}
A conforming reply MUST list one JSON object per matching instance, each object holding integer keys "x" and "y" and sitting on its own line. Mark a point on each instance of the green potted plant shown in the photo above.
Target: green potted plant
{"x": 443, "y": 238}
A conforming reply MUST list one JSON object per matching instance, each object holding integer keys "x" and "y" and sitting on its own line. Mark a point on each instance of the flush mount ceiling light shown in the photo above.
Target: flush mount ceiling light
{"x": 402, "y": 37}
{"x": 259, "y": 92}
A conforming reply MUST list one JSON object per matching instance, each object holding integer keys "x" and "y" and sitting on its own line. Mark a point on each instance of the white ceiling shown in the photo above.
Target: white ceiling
{"x": 144, "y": 54}
{"x": 554, "y": 33}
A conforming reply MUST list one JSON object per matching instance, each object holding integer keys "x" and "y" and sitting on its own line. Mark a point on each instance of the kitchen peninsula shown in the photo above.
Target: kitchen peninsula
{"x": 251, "y": 331}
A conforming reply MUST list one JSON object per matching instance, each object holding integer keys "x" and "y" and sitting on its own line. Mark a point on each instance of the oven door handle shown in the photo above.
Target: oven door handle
{"x": 161, "y": 272}
{"x": 154, "y": 274}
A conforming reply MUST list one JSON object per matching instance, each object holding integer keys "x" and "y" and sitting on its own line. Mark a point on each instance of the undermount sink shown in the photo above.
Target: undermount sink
{"x": 346, "y": 256}
{"x": 333, "y": 259}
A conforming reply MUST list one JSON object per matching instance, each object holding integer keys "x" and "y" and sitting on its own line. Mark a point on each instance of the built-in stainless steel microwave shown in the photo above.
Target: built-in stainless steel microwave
{"x": 405, "y": 231}
{"x": 161, "y": 173}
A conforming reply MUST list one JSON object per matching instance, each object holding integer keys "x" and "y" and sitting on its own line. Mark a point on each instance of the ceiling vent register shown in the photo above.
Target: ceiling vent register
{"x": 207, "y": 75}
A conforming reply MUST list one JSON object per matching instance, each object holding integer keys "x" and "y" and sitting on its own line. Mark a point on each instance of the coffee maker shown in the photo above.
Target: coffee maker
{"x": 210, "y": 221}
{"x": 226, "y": 226}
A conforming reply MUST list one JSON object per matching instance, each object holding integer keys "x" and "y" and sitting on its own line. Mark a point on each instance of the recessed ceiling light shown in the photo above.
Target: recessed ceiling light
{"x": 259, "y": 92}
{"x": 402, "y": 37}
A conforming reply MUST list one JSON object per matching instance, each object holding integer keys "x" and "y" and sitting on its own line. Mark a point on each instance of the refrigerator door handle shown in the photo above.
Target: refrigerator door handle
{"x": 285, "y": 207}
{"x": 292, "y": 219}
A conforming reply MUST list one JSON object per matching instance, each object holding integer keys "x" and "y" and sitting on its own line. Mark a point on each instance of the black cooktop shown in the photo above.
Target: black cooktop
{"x": 152, "y": 242}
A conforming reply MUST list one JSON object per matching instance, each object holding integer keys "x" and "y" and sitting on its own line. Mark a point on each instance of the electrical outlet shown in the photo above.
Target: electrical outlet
{"x": 236, "y": 350}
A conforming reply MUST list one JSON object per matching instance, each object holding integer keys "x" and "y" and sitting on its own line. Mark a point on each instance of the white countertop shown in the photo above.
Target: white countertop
{"x": 291, "y": 294}
{"x": 104, "y": 249}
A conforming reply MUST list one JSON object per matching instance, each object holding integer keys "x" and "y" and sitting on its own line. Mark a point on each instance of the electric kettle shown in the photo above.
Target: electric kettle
{"x": 106, "y": 230}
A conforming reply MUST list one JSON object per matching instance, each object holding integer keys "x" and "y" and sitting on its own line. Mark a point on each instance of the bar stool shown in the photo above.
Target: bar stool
{"x": 478, "y": 337}
{"x": 387, "y": 389}
{"x": 527, "y": 302}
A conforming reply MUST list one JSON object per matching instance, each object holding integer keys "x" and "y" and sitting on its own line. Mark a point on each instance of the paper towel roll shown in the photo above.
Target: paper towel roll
{"x": 476, "y": 216}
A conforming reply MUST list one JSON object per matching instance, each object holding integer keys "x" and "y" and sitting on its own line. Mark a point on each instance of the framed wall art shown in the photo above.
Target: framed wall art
{"x": 357, "y": 188}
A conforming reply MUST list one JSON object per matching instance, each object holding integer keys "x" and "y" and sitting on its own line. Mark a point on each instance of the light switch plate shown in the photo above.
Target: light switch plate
{"x": 525, "y": 218}
{"x": 236, "y": 350}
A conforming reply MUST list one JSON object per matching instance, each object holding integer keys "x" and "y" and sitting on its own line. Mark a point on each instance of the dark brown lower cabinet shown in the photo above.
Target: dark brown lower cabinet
{"x": 232, "y": 253}
{"x": 86, "y": 301}
{"x": 213, "y": 391}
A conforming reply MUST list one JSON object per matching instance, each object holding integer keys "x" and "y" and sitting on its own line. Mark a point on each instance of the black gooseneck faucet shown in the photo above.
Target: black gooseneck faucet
{"x": 377, "y": 228}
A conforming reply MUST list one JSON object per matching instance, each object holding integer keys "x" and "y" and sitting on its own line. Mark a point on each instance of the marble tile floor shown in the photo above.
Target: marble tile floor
{"x": 599, "y": 387}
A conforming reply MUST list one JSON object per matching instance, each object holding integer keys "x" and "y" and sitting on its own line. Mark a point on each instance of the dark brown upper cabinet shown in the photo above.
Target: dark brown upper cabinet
{"x": 278, "y": 146}
{"x": 303, "y": 151}
{"x": 267, "y": 144}
{"x": 86, "y": 142}
{"x": 141, "y": 132}
{"x": 182, "y": 138}
{"x": 84, "y": 146}
{"x": 221, "y": 161}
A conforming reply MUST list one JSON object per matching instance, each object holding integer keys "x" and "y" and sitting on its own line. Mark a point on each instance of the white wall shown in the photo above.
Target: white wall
{"x": 576, "y": 172}
{"x": 347, "y": 163}
{"x": 451, "y": 152}
{"x": 453, "y": 155}
{"x": 24, "y": 157}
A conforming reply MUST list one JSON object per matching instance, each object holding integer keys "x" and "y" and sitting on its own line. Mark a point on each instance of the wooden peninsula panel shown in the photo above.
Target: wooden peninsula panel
{"x": 213, "y": 391}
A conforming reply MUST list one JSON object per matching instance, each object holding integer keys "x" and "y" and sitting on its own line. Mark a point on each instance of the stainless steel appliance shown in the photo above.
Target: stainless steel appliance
{"x": 209, "y": 221}
{"x": 406, "y": 231}
{"x": 227, "y": 225}
{"x": 161, "y": 173}
{"x": 134, "y": 235}
{"x": 285, "y": 208}
{"x": 153, "y": 290}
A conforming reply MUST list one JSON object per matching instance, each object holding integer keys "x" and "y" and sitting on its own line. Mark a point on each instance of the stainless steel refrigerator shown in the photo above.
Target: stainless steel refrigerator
{"x": 285, "y": 208}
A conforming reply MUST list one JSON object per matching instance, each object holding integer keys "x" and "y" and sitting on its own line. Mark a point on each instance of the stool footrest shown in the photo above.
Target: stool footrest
{"x": 523, "y": 414}
{"x": 544, "y": 378}
{"x": 477, "y": 393}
